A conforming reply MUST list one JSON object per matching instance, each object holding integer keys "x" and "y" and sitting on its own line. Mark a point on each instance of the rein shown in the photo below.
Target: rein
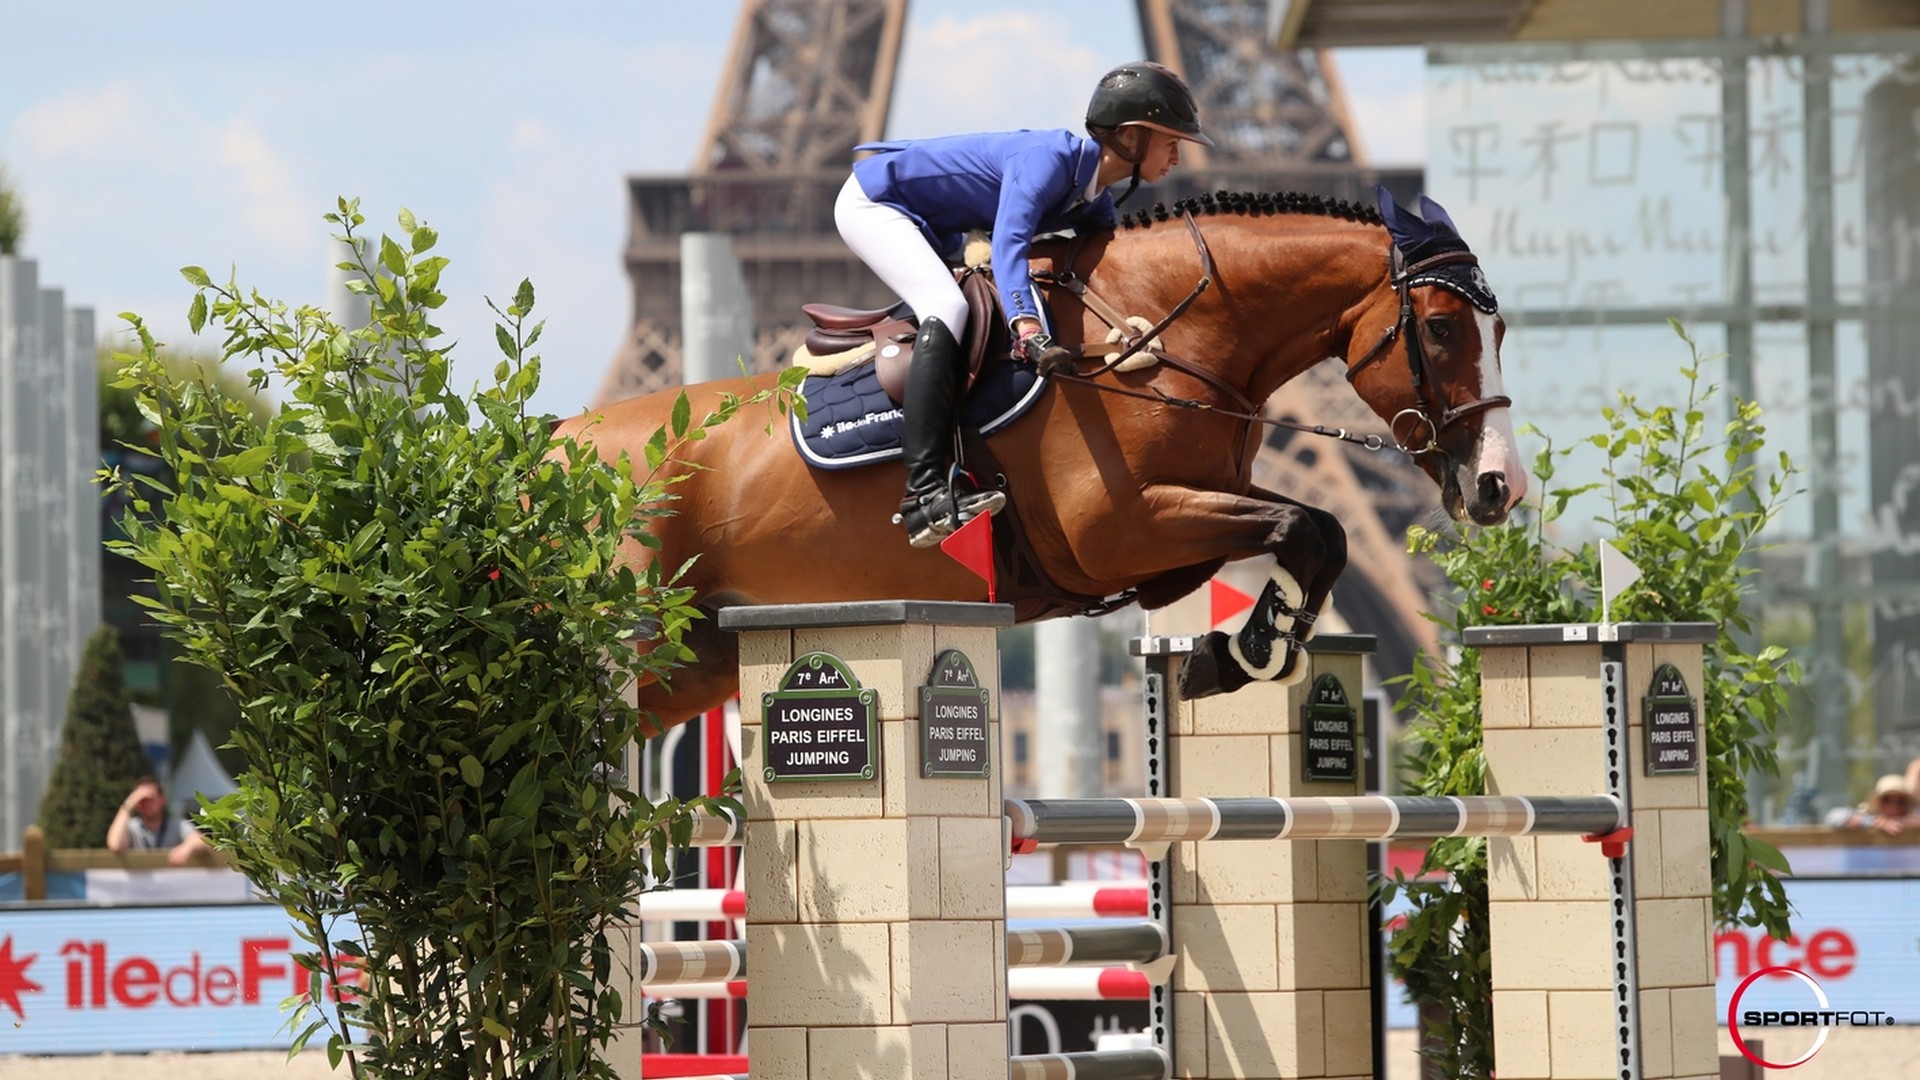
{"x": 1136, "y": 342}
{"x": 1420, "y": 367}
{"x": 1370, "y": 442}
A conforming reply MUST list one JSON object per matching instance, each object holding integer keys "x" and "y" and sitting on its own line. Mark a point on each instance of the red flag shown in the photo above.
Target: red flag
{"x": 971, "y": 545}
{"x": 1227, "y": 602}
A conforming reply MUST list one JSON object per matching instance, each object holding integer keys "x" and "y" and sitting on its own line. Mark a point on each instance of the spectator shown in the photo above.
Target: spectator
{"x": 1890, "y": 809}
{"x": 146, "y": 823}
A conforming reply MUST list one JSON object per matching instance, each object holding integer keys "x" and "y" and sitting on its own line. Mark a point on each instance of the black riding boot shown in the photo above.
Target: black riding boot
{"x": 935, "y": 380}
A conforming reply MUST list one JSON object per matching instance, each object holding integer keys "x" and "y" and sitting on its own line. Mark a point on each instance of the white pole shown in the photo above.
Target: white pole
{"x": 10, "y": 707}
{"x": 716, "y": 311}
{"x": 83, "y": 458}
{"x": 350, "y": 310}
{"x": 1072, "y": 746}
{"x": 21, "y": 773}
{"x": 56, "y": 520}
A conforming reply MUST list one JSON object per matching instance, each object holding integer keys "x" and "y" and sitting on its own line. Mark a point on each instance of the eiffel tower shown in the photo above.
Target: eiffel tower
{"x": 807, "y": 80}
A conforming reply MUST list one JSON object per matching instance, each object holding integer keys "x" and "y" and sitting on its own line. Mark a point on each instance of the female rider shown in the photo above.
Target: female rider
{"x": 907, "y": 209}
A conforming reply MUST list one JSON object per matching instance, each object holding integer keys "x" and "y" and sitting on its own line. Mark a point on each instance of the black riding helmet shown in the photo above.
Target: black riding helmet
{"x": 1142, "y": 94}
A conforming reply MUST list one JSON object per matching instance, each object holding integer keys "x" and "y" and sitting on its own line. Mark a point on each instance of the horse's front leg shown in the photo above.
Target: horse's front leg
{"x": 1308, "y": 548}
{"x": 1308, "y": 557}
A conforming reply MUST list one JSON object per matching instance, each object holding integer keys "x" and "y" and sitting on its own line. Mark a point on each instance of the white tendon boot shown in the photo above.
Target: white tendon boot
{"x": 1271, "y": 644}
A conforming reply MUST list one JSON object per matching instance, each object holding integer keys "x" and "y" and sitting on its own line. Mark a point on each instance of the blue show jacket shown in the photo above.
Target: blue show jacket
{"x": 1017, "y": 183}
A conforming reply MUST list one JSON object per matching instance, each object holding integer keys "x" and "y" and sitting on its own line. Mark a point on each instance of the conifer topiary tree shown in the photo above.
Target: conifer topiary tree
{"x": 100, "y": 754}
{"x": 13, "y": 217}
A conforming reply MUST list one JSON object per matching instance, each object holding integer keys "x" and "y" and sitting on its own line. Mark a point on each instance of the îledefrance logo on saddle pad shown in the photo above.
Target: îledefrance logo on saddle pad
{"x": 1422, "y": 236}
{"x": 852, "y": 422}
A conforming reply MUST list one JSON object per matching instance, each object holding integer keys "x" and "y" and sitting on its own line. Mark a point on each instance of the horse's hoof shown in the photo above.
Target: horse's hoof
{"x": 1199, "y": 677}
{"x": 1211, "y": 670}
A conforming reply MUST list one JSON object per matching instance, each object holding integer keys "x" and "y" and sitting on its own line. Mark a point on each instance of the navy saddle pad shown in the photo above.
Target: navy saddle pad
{"x": 851, "y": 422}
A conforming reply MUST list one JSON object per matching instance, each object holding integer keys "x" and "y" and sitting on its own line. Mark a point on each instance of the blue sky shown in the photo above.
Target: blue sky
{"x": 148, "y": 137}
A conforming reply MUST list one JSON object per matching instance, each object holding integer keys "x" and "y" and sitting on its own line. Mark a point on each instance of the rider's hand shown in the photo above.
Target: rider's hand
{"x": 1039, "y": 349}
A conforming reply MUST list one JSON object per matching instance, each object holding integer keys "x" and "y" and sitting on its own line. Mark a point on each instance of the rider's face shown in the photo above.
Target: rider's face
{"x": 1163, "y": 153}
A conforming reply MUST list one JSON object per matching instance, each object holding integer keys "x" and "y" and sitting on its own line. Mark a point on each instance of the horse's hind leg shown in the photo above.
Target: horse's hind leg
{"x": 1309, "y": 552}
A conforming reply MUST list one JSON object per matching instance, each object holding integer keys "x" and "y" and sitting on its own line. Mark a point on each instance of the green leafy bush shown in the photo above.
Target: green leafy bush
{"x": 420, "y": 613}
{"x": 1686, "y": 508}
{"x": 192, "y": 696}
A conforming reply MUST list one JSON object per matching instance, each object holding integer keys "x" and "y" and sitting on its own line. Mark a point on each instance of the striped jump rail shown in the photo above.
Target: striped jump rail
{"x": 670, "y": 963}
{"x": 1114, "y": 983}
{"x": 1151, "y": 1064}
{"x": 1087, "y": 983}
{"x": 660, "y": 1066}
{"x": 1358, "y": 817}
{"x": 1078, "y": 900}
{"x": 678, "y": 963}
{"x": 735, "y": 989}
{"x": 1073, "y": 900}
{"x": 717, "y": 830}
{"x": 1126, "y": 943}
{"x": 1089, "y": 1065}
{"x": 693, "y": 905}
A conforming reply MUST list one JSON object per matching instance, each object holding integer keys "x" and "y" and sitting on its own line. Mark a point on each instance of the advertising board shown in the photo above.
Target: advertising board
{"x": 1858, "y": 937}
{"x": 81, "y": 980}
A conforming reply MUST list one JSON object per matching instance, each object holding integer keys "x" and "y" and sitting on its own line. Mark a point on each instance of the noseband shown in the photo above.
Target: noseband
{"x": 1430, "y": 408}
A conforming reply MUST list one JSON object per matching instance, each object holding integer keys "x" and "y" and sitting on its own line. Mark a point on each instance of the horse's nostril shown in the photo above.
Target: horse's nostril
{"x": 1493, "y": 489}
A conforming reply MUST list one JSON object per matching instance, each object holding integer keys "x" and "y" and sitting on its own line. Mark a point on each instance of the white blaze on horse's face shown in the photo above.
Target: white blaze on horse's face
{"x": 1497, "y": 453}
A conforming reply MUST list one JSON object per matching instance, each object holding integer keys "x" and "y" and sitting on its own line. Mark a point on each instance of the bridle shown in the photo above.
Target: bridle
{"x": 1426, "y": 410}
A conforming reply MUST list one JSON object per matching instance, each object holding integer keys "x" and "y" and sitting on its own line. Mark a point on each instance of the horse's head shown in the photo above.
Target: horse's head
{"x": 1432, "y": 368}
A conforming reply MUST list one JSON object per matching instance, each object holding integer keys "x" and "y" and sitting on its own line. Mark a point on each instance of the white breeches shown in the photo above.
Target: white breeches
{"x": 894, "y": 248}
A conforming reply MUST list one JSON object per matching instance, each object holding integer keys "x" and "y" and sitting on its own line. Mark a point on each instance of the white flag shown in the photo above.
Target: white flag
{"x": 1616, "y": 573}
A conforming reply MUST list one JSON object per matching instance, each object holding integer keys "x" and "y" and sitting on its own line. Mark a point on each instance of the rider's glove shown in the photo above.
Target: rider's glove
{"x": 1038, "y": 349}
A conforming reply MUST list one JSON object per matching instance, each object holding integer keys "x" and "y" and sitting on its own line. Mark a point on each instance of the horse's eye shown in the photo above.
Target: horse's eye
{"x": 1440, "y": 328}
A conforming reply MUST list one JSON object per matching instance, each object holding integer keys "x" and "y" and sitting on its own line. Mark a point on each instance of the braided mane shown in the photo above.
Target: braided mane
{"x": 1255, "y": 204}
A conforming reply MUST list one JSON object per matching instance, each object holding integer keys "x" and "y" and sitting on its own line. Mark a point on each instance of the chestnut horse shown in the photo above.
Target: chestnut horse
{"x": 1134, "y": 492}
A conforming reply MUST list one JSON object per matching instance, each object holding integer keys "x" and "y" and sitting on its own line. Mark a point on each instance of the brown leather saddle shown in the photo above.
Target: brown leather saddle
{"x": 1024, "y": 582}
{"x": 892, "y": 331}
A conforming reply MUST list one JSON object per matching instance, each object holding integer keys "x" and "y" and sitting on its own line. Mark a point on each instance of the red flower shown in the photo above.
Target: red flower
{"x": 1489, "y": 609}
{"x": 1487, "y": 584}
{"x": 493, "y": 574}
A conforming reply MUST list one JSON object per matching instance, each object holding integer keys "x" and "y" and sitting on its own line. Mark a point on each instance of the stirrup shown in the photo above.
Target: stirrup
{"x": 974, "y": 500}
{"x": 981, "y": 501}
{"x": 930, "y": 518}
{"x": 937, "y": 515}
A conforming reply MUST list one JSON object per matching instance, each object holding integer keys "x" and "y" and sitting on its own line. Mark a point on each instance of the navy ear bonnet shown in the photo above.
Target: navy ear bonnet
{"x": 1431, "y": 233}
